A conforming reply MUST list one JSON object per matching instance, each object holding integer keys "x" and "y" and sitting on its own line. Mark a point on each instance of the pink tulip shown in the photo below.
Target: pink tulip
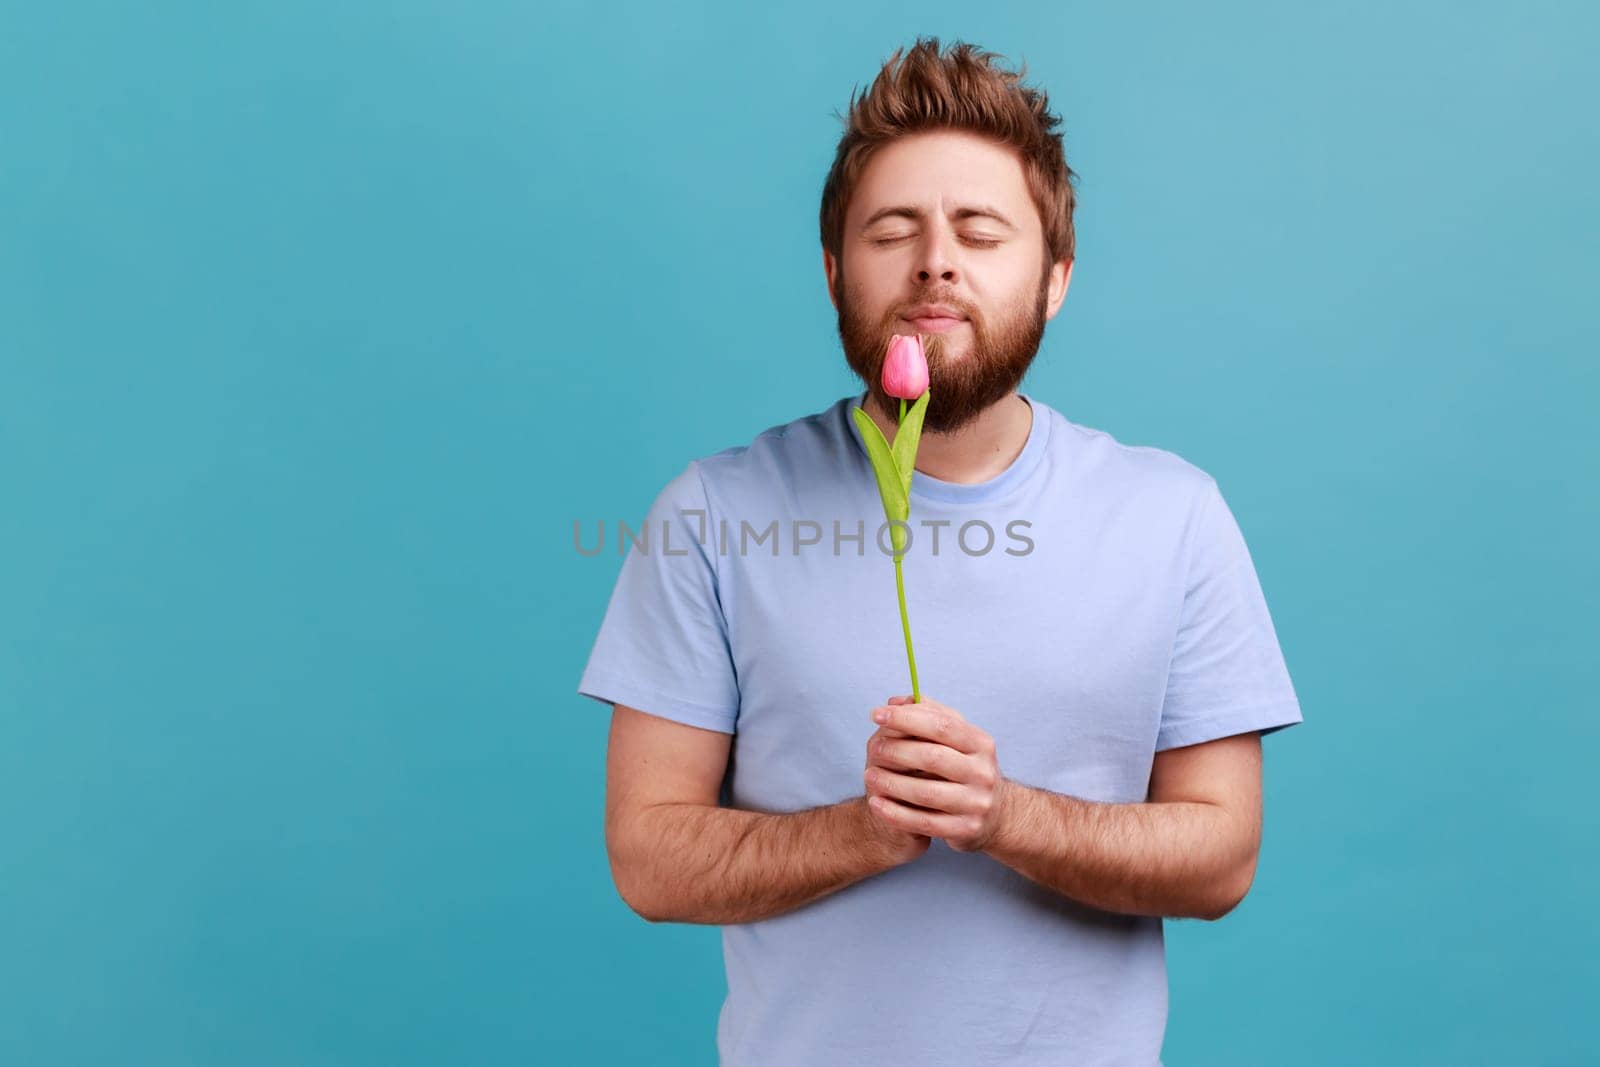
{"x": 905, "y": 367}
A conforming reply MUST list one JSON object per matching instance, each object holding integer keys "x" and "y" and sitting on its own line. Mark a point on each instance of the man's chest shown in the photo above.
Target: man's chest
{"x": 1058, "y": 654}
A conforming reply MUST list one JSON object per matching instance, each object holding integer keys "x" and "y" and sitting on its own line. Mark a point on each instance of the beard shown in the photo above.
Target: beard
{"x": 960, "y": 387}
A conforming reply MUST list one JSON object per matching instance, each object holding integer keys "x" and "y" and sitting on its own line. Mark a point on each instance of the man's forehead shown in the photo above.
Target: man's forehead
{"x": 960, "y": 177}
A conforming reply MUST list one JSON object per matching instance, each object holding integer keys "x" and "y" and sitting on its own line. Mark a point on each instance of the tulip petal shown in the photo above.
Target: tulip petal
{"x": 906, "y": 439}
{"x": 905, "y": 367}
{"x": 896, "y": 500}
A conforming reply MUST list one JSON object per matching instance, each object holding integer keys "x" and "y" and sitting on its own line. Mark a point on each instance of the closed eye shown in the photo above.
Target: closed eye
{"x": 981, "y": 242}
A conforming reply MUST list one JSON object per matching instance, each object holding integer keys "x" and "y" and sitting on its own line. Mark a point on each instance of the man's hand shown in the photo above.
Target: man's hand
{"x": 930, "y": 772}
{"x": 900, "y": 845}
{"x": 894, "y": 845}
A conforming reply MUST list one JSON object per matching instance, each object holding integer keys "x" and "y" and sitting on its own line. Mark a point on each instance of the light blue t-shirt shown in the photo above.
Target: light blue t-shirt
{"x": 1089, "y": 606}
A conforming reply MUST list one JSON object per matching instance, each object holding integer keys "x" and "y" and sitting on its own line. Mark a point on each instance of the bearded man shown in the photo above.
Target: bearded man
{"x": 979, "y": 876}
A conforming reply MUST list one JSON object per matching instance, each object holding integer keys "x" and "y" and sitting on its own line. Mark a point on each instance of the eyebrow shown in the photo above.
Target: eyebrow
{"x": 906, "y": 211}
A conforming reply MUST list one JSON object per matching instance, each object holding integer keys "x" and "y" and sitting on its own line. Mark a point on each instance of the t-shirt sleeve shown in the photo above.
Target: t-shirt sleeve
{"x": 663, "y": 643}
{"x": 1227, "y": 674}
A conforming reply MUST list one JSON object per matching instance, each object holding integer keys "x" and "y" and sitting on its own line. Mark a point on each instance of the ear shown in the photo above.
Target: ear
{"x": 831, "y": 269}
{"x": 1060, "y": 278}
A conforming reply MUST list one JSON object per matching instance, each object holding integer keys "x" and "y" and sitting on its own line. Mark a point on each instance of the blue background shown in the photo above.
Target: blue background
{"x": 320, "y": 325}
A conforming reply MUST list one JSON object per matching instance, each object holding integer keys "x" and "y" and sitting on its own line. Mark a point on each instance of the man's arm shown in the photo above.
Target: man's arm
{"x": 676, "y": 856}
{"x": 1188, "y": 852}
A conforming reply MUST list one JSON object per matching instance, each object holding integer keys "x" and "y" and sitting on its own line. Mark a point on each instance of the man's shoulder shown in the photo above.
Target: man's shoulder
{"x": 771, "y": 465}
{"x": 781, "y": 453}
{"x": 1103, "y": 459}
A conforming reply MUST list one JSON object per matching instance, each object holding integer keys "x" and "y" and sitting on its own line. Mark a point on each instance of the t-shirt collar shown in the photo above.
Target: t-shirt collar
{"x": 927, "y": 487}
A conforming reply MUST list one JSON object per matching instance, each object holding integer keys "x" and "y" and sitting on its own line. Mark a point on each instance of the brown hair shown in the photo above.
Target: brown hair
{"x": 960, "y": 90}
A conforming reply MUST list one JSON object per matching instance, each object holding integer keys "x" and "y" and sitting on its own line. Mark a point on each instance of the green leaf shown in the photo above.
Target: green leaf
{"x": 905, "y": 441}
{"x": 896, "y": 499}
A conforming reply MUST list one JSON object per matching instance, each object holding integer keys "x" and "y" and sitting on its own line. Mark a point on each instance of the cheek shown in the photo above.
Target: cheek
{"x": 1017, "y": 271}
{"x": 873, "y": 301}
{"x": 1021, "y": 280}
{"x": 1009, "y": 297}
{"x": 873, "y": 283}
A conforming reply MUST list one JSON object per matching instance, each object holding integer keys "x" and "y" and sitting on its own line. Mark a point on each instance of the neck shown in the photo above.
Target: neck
{"x": 978, "y": 451}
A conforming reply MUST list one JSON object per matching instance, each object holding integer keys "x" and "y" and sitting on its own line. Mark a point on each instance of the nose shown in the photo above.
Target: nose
{"x": 935, "y": 259}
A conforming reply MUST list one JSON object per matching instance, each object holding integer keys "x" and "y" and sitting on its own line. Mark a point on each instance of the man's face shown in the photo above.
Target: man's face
{"x": 911, "y": 237}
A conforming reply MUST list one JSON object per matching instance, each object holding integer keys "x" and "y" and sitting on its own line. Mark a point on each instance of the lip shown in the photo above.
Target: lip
{"x": 936, "y": 323}
{"x": 934, "y": 311}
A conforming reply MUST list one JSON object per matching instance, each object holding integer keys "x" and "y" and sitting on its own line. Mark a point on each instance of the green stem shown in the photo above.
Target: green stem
{"x": 905, "y": 625}
{"x": 900, "y": 591}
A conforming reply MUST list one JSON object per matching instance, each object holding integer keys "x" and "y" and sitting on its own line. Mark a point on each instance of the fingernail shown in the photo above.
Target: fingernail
{"x": 880, "y": 715}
